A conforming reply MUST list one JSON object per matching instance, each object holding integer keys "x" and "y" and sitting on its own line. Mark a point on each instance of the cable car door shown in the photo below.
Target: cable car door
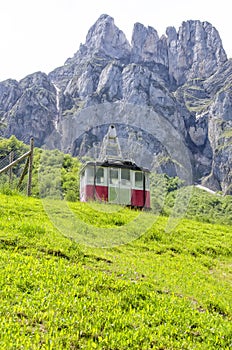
{"x": 113, "y": 193}
{"x": 125, "y": 186}
{"x": 119, "y": 186}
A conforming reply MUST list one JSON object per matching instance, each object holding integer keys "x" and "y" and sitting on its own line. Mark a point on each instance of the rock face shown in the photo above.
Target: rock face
{"x": 30, "y": 107}
{"x": 184, "y": 78}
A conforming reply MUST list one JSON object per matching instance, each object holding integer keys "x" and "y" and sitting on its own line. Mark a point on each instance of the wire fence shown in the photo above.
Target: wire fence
{"x": 4, "y": 161}
{"x": 14, "y": 176}
{"x": 7, "y": 156}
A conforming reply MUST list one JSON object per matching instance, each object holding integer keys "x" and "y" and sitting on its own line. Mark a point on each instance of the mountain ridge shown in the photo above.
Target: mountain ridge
{"x": 183, "y": 77}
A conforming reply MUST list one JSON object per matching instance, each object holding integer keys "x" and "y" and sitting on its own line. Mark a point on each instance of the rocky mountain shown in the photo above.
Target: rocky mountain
{"x": 170, "y": 98}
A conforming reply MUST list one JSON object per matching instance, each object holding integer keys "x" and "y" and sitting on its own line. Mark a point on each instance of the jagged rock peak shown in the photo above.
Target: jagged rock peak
{"x": 195, "y": 51}
{"x": 196, "y": 32}
{"x": 147, "y": 46}
{"x": 35, "y": 79}
{"x": 104, "y": 36}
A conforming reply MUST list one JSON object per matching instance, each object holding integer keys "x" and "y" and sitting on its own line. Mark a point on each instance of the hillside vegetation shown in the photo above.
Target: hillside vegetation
{"x": 161, "y": 290}
{"x": 56, "y": 175}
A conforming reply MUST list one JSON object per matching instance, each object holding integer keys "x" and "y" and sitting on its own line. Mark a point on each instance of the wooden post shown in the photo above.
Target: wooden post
{"x": 24, "y": 173}
{"x": 30, "y": 166}
{"x": 11, "y": 159}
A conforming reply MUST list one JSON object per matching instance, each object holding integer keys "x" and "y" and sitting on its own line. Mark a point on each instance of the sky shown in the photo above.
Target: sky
{"x": 39, "y": 35}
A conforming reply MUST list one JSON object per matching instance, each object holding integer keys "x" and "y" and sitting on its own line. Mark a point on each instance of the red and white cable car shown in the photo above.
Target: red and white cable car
{"x": 114, "y": 180}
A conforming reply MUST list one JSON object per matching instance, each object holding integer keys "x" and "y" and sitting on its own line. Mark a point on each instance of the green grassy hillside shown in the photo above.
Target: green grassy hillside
{"x": 161, "y": 290}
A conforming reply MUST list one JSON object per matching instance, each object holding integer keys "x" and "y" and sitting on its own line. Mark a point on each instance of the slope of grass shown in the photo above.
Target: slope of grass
{"x": 161, "y": 290}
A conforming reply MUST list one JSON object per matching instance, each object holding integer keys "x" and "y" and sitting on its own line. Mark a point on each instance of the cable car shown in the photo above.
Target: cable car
{"x": 114, "y": 180}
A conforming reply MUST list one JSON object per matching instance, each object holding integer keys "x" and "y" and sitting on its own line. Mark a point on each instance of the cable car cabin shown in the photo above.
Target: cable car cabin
{"x": 115, "y": 181}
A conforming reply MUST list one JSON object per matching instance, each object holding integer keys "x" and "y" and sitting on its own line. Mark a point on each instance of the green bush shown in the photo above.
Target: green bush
{"x": 55, "y": 174}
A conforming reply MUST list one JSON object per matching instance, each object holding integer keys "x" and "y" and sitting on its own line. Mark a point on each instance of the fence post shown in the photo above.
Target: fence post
{"x": 30, "y": 167}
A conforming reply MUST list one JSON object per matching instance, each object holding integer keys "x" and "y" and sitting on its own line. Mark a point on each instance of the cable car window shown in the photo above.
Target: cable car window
{"x": 100, "y": 176}
{"x": 139, "y": 179}
{"x": 114, "y": 176}
{"x": 125, "y": 176}
{"x": 90, "y": 174}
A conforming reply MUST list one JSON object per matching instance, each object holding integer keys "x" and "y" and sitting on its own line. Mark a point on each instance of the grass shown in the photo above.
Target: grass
{"x": 158, "y": 291}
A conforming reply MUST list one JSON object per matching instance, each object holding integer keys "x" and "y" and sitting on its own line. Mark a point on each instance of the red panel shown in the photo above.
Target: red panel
{"x": 102, "y": 193}
{"x": 137, "y": 198}
{"x": 89, "y": 192}
{"x": 147, "y": 200}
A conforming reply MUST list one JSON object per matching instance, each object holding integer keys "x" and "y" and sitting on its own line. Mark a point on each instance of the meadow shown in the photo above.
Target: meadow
{"x": 155, "y": 289}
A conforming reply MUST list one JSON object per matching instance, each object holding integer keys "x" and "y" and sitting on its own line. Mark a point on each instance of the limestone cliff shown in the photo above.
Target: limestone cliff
{"x": 157, "y": 90}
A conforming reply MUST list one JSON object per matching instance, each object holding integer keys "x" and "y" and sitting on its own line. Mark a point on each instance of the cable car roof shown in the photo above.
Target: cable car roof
{"x": 116, "y": 163}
